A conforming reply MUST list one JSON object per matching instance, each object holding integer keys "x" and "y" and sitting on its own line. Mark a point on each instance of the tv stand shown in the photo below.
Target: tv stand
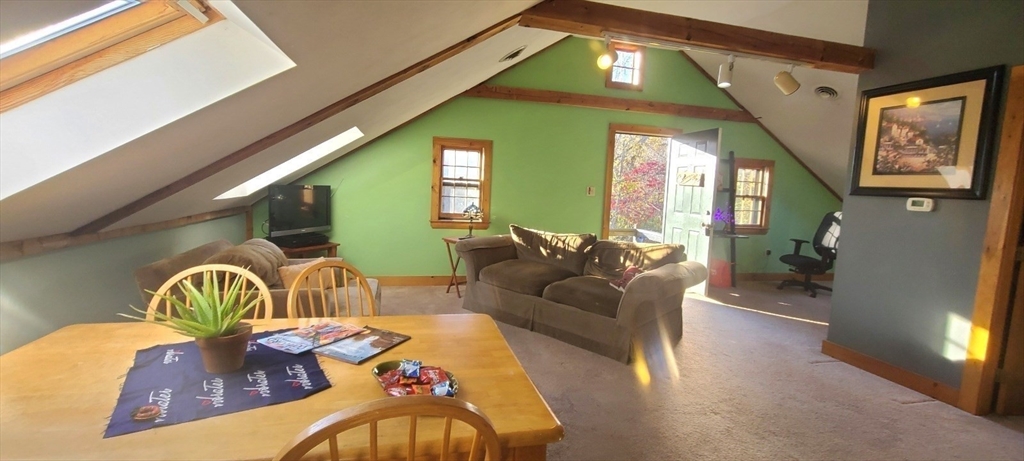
{"x": 300, "y": 240}
{"x": 330, "y": 248}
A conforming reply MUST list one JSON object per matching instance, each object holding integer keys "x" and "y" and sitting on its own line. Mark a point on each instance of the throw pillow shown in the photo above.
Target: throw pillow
{"x": 608, "y": 259}
{"x": 627, "y": 276}
{"x": 289, "y": 273}
{"x": 568, "y": 251}
{"x": 257, "y": 259}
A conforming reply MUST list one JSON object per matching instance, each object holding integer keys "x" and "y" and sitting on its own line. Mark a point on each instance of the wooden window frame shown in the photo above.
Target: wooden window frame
{"x": 755, "y": 164}
{"x": 437, "y": 221}
{"x": 66, "y": 59}
{"x": 623, "y": 128}
{"x": 641, "y": 52}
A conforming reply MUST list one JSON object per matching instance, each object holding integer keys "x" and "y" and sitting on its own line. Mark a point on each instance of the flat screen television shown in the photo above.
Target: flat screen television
{"x": 298, "y": 209}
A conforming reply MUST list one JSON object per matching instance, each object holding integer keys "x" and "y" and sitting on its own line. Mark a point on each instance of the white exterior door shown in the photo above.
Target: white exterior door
{"x": 690, "y": 194}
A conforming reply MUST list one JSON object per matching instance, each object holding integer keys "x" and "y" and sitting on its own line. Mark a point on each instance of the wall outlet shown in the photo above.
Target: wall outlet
{"x": 590, "y": 191}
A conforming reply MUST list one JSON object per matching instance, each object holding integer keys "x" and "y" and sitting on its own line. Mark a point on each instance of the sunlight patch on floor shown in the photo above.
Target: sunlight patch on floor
{"x": 715, "y": 301}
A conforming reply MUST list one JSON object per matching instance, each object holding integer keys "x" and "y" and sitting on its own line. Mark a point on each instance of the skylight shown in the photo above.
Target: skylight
{"x": 294, "y": 164}
{"x": 26, "y": 41}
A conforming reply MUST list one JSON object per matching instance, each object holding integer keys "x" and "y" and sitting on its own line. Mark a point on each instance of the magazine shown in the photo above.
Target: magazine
{"x": 306, "y": 338}
{"x": 358, "y": 348}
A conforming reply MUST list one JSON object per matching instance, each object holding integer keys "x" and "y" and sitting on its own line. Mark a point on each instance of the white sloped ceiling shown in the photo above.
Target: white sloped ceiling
{"x": 341, "y": 47}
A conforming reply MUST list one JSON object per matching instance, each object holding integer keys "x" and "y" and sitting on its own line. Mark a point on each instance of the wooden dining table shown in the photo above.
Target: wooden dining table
{"x": 57, "y": 393}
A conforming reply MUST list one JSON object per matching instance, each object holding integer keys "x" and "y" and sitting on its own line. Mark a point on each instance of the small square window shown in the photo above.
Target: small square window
{"x": 627, "y": 70}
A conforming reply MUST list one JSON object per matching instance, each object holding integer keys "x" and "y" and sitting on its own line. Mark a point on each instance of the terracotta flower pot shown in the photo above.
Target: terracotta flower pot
{"x": 226, "y": 353}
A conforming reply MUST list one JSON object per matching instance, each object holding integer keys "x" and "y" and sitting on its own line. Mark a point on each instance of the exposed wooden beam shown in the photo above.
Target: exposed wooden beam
{"x": 594, "y": 19}
{"x": 291, "y": 130}
{"x": 17, "y": 249}
{"x": 766, "y": 130}
{"x": 995, "y": 275}
{"x": 606, "y": 102}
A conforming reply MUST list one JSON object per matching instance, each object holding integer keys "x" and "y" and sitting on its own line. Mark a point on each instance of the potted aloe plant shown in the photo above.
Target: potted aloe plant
{"x": 213, "y": 318}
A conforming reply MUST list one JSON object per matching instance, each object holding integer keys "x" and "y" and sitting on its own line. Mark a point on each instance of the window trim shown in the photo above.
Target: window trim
{"x": 640, "y": 51}
{"x": 70, "y": 57}
{"x": 755, "y": 164}
{"x": 437, "y": 221}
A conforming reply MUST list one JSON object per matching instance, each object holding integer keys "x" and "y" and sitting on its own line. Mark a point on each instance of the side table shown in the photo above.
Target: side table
{"x": 330, "y": 247}
{"x": 453, "y": 261}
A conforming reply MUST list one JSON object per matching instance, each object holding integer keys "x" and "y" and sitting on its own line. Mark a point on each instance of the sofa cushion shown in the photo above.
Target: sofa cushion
{"x": 289, "y": 272}
{"x": 609, "y": 259}
{"x": 256, "y": 256}
{"x": 568, "y": 251}
{"x": 588, "y": 293}
{"x": 522, "y": 276}
{"x": 152, "y": 276}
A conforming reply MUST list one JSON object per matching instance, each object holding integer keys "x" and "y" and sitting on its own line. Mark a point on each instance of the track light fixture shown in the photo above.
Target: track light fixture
{"x": 786, "y": 83}
{"x": 609, "y": 56}
{"x": 725, "y": 73}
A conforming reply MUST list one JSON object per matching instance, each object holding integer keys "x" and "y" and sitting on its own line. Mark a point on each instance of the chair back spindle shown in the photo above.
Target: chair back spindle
{"x": 484, "y": 440}
{"x": 331, "y": 288}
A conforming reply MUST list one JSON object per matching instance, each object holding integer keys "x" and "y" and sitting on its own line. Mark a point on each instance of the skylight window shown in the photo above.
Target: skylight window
{"x": 294, "y": 164}
{"x": 53, "y": 31}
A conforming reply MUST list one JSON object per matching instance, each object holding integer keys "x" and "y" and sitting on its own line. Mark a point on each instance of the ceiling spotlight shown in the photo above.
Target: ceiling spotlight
{"x": 786, "y": 83}
{"x": 725, "y": 73}
{"x": 608, "y": 57}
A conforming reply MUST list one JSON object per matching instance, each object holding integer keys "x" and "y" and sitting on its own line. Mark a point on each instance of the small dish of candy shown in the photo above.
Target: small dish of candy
{"x": 411, "y": 377}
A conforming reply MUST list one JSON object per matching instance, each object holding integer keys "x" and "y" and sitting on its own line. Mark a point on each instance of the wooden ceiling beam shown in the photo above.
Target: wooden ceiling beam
{"x": 291, "y": 130}
{"x": 591, "y": 19}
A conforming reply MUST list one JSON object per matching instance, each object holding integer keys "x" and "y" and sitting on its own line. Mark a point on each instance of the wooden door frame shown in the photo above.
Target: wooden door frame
{"x": 624, "y": 128}
{"x": 992, "y": 297}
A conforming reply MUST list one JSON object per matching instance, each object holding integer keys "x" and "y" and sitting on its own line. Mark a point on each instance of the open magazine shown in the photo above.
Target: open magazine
{"x": 306, "y": 338}
{"x": 358, "y": 348}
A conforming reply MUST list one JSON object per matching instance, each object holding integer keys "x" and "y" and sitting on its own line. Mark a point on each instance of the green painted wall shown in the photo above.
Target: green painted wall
{"x": 545, "y": 157}
{"x": 89, "y": 284}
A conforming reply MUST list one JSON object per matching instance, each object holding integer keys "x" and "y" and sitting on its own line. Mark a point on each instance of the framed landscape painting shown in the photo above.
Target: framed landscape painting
{"x": 930, "y": 138}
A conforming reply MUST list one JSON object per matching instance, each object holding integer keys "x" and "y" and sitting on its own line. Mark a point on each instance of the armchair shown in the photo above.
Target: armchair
{"x": 825, "y": 244}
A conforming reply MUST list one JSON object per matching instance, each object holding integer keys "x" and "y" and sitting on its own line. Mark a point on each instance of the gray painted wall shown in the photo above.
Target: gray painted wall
{"x": 90, "y": 283}
{"x": 904, "y": 278}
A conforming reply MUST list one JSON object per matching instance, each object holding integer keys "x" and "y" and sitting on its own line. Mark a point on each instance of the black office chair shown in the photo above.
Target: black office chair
{"x": 826, "y": 244}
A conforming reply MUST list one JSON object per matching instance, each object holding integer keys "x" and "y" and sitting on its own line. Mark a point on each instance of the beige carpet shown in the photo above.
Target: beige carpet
{"x": 742, "y": 385}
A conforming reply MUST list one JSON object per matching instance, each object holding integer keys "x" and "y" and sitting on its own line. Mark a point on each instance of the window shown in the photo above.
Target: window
{"x": 627, "y": 71}
{"x": 48, "y": 58}
{"x": 462, "y": 177}
{"x": 753, "y": 195}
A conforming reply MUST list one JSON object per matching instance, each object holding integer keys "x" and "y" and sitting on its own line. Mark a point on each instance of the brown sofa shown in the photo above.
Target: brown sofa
{"x": 558, "y": 285}
{"x": 260, "y": 256}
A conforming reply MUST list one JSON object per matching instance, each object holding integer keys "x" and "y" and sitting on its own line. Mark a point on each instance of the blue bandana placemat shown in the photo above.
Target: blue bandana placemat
{"x": 168, "y": 385}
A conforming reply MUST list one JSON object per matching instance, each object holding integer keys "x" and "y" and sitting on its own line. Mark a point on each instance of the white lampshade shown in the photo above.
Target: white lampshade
{"x": 786, "y": 83}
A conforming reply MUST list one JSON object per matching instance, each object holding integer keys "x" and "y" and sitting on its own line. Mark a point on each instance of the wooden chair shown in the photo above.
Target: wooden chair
{"x": 413, "y": 406}
{"x": 321, "y": 289}
{"x": 225, "y": 275}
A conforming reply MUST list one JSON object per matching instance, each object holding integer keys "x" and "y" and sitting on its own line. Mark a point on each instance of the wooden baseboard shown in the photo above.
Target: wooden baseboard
{"x": 925, "y": 385}
{"x": 777, "y": 276}
{"x": 416, "y": 280}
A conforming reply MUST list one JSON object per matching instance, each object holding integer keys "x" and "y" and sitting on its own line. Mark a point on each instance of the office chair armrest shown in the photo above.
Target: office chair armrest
{"x": 799, "y": 243}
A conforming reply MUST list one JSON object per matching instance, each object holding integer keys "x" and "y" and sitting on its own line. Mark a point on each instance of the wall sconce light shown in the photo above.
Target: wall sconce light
{"x": 786, "y": 83}
{"x": 725, "y": 73}
{"x": 608, "y": 57}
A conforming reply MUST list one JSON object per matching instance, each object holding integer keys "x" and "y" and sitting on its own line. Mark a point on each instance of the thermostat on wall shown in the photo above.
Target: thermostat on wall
{"x": 920, "y": 204}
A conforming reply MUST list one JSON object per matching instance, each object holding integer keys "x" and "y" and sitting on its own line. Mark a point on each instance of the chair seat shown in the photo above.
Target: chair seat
{"x": 804, "y": 264}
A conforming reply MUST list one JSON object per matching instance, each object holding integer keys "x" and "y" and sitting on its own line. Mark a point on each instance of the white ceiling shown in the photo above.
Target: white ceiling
{"x": 341, "y": 47}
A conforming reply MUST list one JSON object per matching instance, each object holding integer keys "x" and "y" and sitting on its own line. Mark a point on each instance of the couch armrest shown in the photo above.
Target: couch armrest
{"x": 296, "y": 261}
{"x": 480, "y": 252}
{"x": 656, "y": 292}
